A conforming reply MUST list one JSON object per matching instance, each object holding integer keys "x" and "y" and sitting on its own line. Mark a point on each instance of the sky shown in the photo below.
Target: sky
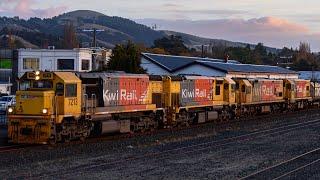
{"x": 276, "y": 23}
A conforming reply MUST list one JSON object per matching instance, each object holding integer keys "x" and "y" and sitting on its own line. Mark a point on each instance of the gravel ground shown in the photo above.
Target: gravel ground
{"x": 310, "y": 172}
{"x": 117, "y": 159}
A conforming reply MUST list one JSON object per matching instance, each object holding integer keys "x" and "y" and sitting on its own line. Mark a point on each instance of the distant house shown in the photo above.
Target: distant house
{"x": 79, "y": 60}
{"x": 158, "y": 64}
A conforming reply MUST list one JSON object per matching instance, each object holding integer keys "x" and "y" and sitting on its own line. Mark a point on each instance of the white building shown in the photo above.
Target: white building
{"x": 78, "y": 60}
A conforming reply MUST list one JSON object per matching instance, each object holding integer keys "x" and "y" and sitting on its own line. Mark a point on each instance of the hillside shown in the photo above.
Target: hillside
{"x": 36, "y": 32}
{"x": 116, "y": 29}
{"x": 192, "y": 41}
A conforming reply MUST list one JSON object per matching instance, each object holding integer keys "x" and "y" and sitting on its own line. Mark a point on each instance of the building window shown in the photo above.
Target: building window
{"x": 85, "y": 64}
{"x": 31, "y": 63}
{"x": 5, "y": 64}
{"x": 71, "y": 90}
{"x": 65, "y": 64}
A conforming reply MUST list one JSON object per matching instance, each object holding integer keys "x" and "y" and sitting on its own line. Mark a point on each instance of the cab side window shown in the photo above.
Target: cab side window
{"x": 59, "y": 89}
{"x": 71, "y": 90}
{"x": 217, "y": 90}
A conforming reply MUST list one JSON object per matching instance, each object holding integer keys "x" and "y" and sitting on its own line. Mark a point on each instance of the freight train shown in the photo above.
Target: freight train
{"x": 62, "y": 106}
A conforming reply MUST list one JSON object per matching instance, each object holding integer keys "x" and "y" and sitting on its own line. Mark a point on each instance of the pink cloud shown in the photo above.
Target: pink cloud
{"x": 271, "y": 31}
{"x": 23, "y": 9}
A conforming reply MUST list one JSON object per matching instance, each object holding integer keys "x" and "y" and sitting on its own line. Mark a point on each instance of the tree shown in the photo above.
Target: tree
{"x": 303, "y": 59}
{"x": 157, "y": 51}
{"x": 70, "y": 37}
{"x": 126, "y": 58}
{"x": 304, "y": 48}
{"x": 173, "y": 45}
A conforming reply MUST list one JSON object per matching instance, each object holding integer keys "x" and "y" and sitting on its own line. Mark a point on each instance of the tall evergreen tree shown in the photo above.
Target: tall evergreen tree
{"x": 126, "y": 58}
{"x": 70, "y": 36}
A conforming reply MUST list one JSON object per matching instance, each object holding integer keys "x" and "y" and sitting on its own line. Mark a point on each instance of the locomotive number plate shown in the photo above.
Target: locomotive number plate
{"x": 73, "y": 102}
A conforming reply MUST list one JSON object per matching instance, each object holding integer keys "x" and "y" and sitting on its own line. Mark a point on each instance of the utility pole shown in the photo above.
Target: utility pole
{"x": 202, "y": 51}
{"x": 94, "y": 30}
{"x": 94, "y": 54}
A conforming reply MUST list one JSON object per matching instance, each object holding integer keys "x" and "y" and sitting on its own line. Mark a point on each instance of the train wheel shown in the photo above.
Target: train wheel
{"x": 67, "y": 138}
{"x": 52, "y": 141}
{"x": 82, "y": 138}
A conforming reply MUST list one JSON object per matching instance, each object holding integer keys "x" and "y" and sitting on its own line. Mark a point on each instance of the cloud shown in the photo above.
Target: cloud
{"x": 210, "y": 11}
{"x": 171, "y": 5}
{"x": 23, "y": 9}
{"x": 271, "y": 31}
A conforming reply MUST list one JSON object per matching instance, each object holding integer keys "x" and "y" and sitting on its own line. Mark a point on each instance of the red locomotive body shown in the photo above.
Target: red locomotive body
{"x": 267, "y": 90}
{"x": 196, "y": 91}
{"x": 271, "y": 90}
{"x": 301, "y": 88}
{"x": 117, "y": 92}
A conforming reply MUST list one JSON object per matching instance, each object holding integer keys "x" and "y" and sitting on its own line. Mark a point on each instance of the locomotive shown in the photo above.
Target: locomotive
{"x": 62, "y": 106}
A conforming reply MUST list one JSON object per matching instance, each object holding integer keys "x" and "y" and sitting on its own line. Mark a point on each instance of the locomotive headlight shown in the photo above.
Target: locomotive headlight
{"x": 44, "y": 111}
{"x": 37, "y": 73}
{"x": 37, "y": 78}
{"x": 10, "y": 110}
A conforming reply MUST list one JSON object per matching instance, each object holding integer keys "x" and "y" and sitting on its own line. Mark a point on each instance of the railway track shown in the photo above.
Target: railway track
{"x": 222, "y": 125}
{"x": 288, "y": 167}
{"x": 184, "y": 150}
{"x": 11, "y": 148}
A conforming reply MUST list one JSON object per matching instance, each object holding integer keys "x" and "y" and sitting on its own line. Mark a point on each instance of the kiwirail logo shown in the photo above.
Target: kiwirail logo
{"x": 123, "y": 95}
{"x": 195, "y": 93}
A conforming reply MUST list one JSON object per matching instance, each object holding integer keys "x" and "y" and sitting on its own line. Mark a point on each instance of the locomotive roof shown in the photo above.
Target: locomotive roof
{"x": 175, "y": 63}
{"x": 67, "y": 76}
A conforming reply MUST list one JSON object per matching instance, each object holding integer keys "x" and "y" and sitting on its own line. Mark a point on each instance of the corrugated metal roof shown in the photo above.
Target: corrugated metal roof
{"x": 174, "y": 63}
{"x": 247, "y": 68}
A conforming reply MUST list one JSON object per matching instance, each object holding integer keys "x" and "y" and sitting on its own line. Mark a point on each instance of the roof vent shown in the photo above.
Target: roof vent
{"x": 226, "y": 58}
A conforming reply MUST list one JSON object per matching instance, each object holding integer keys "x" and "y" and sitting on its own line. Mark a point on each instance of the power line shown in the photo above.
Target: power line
{"x": 94, "y": 30}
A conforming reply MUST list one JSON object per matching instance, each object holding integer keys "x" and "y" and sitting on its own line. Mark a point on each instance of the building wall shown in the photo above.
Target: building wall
{"x": 197, "y": 69}
{"x": 48, "y": 59}
{"x": 153, "y": 68}
{"x": 314, "y": 75}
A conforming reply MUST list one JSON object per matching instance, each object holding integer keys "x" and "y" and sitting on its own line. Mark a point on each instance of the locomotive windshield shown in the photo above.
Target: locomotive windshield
{"x": 28, "y": 84}
{"x": 42, "y": 84}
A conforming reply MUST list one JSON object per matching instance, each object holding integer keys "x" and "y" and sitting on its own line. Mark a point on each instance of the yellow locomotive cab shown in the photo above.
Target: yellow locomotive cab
{"x": 30, "y": 120}
{"x": 45, "y": 100}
